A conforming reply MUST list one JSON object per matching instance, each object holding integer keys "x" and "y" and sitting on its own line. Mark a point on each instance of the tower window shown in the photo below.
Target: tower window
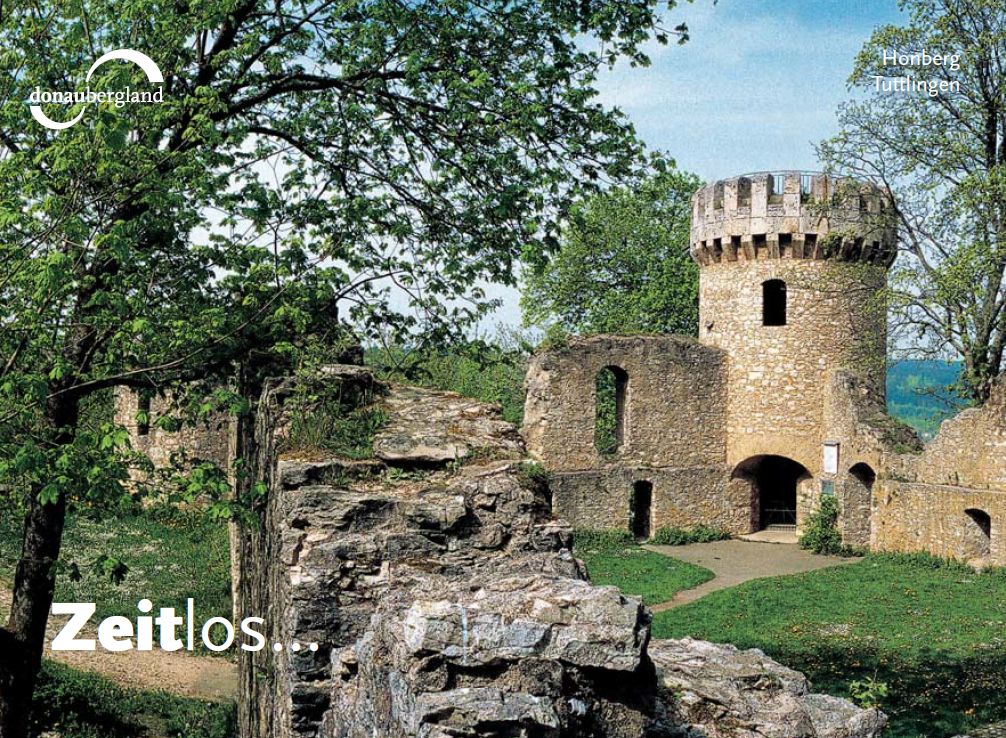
{"x": 773, "y": 294}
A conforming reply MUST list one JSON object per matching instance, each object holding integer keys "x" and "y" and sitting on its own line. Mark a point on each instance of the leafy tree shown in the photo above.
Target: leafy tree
{"x": 943, "y": 157}
{"x": 307, "y": 158}
{"x": 623, "y": 265}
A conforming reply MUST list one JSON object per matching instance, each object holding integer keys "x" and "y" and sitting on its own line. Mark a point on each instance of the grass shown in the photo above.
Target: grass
{"x": 637, "y": 572}
{"x": 933, "y": 631}
{"x": 74, "y": 704}
{"x": 171, "y": 555}
{"x": 334, "y": 429}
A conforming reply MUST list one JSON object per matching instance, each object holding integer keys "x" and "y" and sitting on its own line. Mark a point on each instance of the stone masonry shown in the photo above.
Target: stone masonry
{"x": 446, "y": 603}
{"x": 782, "y": 402}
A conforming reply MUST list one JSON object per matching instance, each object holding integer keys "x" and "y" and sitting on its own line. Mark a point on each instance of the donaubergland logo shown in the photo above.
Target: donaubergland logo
{"x": 119, "y": 97}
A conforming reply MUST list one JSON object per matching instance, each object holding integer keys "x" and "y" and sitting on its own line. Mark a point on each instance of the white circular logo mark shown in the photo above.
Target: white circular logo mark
{"x": 138, "y": 58}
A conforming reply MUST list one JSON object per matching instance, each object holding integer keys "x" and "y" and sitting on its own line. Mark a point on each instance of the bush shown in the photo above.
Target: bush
{"x": 601, "y": 539}
{"x": 492, "y": 372}
{"x": 821, "y": 533}
{"x": 682, "y": 536}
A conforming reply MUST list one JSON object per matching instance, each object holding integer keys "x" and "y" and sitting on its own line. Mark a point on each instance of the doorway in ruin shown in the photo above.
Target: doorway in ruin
{"x": 857, "y": 504}
{"x": 640, "y": 506}
{"x": 774, "y": 481}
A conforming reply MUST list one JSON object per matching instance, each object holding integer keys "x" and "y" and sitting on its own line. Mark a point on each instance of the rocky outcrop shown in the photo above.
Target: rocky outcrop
{"x": 446, "y": 602}
{"x": 719, "y": 690}
{"x": 426, "y": 428}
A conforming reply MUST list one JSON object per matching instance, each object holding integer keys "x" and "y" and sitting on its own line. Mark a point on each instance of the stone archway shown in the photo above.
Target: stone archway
{"x": 774, "y": 481}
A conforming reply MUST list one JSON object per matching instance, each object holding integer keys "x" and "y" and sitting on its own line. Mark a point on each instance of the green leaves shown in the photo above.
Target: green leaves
{"x": 623, "y": 266}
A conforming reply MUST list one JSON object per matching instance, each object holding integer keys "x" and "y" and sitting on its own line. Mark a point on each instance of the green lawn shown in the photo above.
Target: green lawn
{"x": 641, "y": 573}
{"x": 935, "y": 632}
{"x": 170, "y": 556}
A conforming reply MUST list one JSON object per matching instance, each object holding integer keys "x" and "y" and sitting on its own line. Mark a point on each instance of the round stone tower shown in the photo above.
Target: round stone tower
{"x": 792, "y": 265}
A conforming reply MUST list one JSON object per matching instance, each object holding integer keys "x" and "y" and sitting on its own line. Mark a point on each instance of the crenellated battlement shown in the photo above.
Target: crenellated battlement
{"x": 792, "y": 215}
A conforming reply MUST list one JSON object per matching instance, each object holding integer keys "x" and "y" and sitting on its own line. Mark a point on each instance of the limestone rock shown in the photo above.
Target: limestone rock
{"x": 428, "y": 428}
{"x": 722, "y": 691}
{"x": 447, "y": 604}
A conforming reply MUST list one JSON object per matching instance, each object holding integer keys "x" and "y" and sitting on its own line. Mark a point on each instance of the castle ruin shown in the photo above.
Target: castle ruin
{"x": 781, "y": 399}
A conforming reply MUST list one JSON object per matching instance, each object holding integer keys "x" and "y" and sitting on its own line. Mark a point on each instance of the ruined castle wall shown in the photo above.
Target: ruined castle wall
{"x": 681, "y": 498}
{"x": 445, "y": 601}
{"x": 935, "y": 501}
{"x": 675, "y": 406}
{"x": 673, "y": 433}
{"x": 778, "y": 375}
{"x": 207, "y": 441}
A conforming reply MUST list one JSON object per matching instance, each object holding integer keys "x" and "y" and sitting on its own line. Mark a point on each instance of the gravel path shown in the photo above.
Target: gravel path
{"x": 179, "y": 672}
{"x": 735, "y": 562}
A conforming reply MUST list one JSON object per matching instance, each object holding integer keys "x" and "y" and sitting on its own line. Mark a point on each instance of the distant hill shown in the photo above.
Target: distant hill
{"x": 917, "y": 393}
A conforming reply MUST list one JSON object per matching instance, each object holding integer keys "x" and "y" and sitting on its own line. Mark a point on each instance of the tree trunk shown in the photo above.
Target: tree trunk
{"x": 23, "y": 640}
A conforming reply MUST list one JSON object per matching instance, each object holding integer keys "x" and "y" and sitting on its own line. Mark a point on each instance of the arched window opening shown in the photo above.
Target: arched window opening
{"x": 773, "y": 302}
{"x": 640, "y": 506}
{"x": 978, "y": 536}
{"x": 611, "y": 388}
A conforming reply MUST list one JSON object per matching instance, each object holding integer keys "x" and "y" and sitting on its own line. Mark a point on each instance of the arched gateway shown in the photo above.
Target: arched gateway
{"x": 774, "y": 483}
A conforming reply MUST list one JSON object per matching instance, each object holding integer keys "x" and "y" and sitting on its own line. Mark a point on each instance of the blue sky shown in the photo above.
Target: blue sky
{"x": 754, "y": 89}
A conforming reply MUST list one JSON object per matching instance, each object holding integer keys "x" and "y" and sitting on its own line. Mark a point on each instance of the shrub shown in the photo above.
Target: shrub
{"x": 682, "y": 536}
{"x": 327, "y": 429}
{"x": 492, "y": 372}
{"x": 601, "y": 539}
{"x": 821, "y": 533}
{"x": 533, "y": 474}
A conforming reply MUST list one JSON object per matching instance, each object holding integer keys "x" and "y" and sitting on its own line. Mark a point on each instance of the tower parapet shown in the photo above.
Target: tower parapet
{"x": 792, "y": 215}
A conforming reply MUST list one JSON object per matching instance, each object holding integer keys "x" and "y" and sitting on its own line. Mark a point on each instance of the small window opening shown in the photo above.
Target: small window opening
{"x": 611, "y": 387}
{"x": 718, "y": 249}
{"x": 718, "y": 196}
{"x": 143, "y": 413}
{"x": 773, "y": 302}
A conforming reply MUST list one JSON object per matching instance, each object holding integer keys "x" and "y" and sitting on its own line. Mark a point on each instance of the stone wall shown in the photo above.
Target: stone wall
{"x": 778, "y": 375}
{"x": 673, "y": 433}
{"x": 209, "y": 440}
{"x": 681, "y": 498}
{"x": 922, "y": 501}
{"x": 445, "y": 601}
{"x": 674, "y": 413}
